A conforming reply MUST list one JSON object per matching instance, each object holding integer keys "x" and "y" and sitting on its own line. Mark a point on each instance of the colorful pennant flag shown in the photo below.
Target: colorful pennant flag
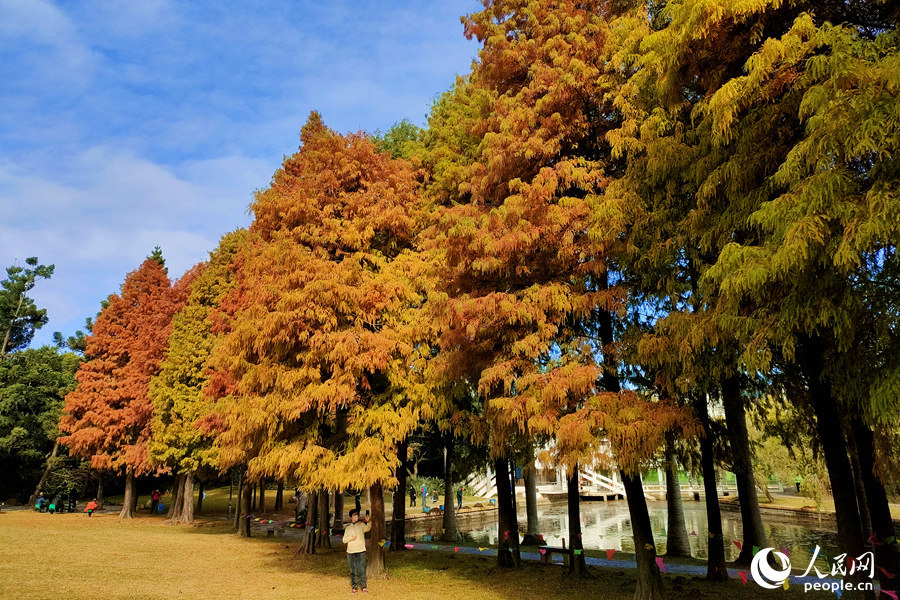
{"x": 387, "y": 544}
{"x": 756, "y": 551}
{"x": 578, "y": 552}
{"x": 785, "y": 585}
{"x": 743, "y": 577}
{"x": 609, "y": 554}
{"x": 786, "y": 551}
{"x": 456, "y": 549}
{"x": 408, "y": 546}
{"x": 543, "y": 551}
{"x": 482, "y": 549}
{"x": 648, "y": 546}
{"x": 660, "y": 564}
{"x": 381, "y": 543}
{"x": 886, "y": 573}
{"x": 738, "y": 544}
{"x": 890, "y": 593}
{"x": 693, "y": 533}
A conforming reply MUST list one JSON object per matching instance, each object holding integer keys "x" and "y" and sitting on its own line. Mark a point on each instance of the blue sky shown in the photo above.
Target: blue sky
{"x": 130, "y": 124}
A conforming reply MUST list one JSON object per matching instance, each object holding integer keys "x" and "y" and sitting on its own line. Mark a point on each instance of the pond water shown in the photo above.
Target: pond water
{"x": 606, "y": 525}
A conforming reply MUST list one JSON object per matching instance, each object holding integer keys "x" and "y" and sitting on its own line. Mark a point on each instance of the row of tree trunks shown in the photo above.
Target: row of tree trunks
{"x": 677, "y": 543}
{"x": 508, "y": 556}
{"x": 279, "y": 497}
{"x": 742, "y": 467}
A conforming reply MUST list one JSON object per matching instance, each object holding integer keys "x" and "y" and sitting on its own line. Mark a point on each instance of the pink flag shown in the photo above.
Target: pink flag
{"x": 543, "y": 551}
{"x": 738, "y": 544}
{"x": 659, "y": 563}
{"x": 890, "y": 593}
{"x": 886, "y": 573}
{"x": 456, "y": 549}
{"x": 743, "y": 577}
{"x": 609, "y": 554}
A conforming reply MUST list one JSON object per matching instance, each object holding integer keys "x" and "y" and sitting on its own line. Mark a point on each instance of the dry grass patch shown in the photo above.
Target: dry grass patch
{"x": 74, "y": 557}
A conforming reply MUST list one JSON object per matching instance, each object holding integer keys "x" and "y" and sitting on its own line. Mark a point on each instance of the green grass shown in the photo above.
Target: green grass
{"x": 79, "y": 558}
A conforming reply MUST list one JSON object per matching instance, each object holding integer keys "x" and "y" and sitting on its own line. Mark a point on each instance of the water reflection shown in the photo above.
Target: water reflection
{"x": 606, "y": 525}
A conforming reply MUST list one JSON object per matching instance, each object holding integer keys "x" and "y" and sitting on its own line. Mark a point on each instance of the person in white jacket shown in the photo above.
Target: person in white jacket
{"x": 355, "y": 538}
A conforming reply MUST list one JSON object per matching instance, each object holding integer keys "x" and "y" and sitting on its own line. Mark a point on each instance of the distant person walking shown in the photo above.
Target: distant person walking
{"x": 412, "y": 496}
{"x": 154, "y": 501}
{"x": 424, "y": 496}
{"x": 459, "y": 495}
{"x": 355, "y": 538}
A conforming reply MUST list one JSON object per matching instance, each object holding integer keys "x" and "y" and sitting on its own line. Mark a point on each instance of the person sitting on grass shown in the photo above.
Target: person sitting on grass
{"x": 42, "y": 503}
{"x": 355, "y": 538}
{"x": 91, "y": 507}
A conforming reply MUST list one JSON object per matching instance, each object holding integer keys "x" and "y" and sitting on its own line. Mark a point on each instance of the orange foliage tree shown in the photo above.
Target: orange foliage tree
{"x": 528, "y": 243}
{"x": 315, "y": 354}
{"x": 107, "y": 417}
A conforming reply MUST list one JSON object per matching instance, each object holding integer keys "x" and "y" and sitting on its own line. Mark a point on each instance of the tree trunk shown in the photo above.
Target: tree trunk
{"x": 865, "y": 520}
{"x": 508, "y": 551}
{"x": 199, "y": 508}
{"x": 254, "y": 504}
{"x": 309, "y": 526}
{"x": 375, "y": 559}
{"x": 742, "y": 467}
{"x": 175, "y": 498}
{"x": 46, "y": 475}
{"x": 577, "y": 565}
{"x": 677, "y": 543}
{"x": 448, "y": 527}
{"x": 279, "y": 497}
{"x": 649, "y": 580}
{"x": 182, "y": 497}
{"x": 130, "y": 492}
{"x": 323, "y": 524}
{"x": 533, "y": 531}
{"x": 828, "y": 424}
{"x": 715, "y": 566}
{"x": 99, "y": 490}
{"x": 185, "y": 514}
{"x": 244, "y": 511}
{"x": 887, "y": 555}
{"x": 262, "y": 495}
{"x": 338, "y": 512}
{"x": 240, "y": 507}
{"x": 398, "y": 520}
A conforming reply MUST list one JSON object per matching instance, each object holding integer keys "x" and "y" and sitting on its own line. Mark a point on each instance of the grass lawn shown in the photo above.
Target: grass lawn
{"x": 74, "y": 557}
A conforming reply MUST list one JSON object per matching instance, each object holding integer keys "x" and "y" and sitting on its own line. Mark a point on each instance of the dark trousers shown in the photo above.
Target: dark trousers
{"x": 153, "y": 505}
{"x": 357, "y": 570}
